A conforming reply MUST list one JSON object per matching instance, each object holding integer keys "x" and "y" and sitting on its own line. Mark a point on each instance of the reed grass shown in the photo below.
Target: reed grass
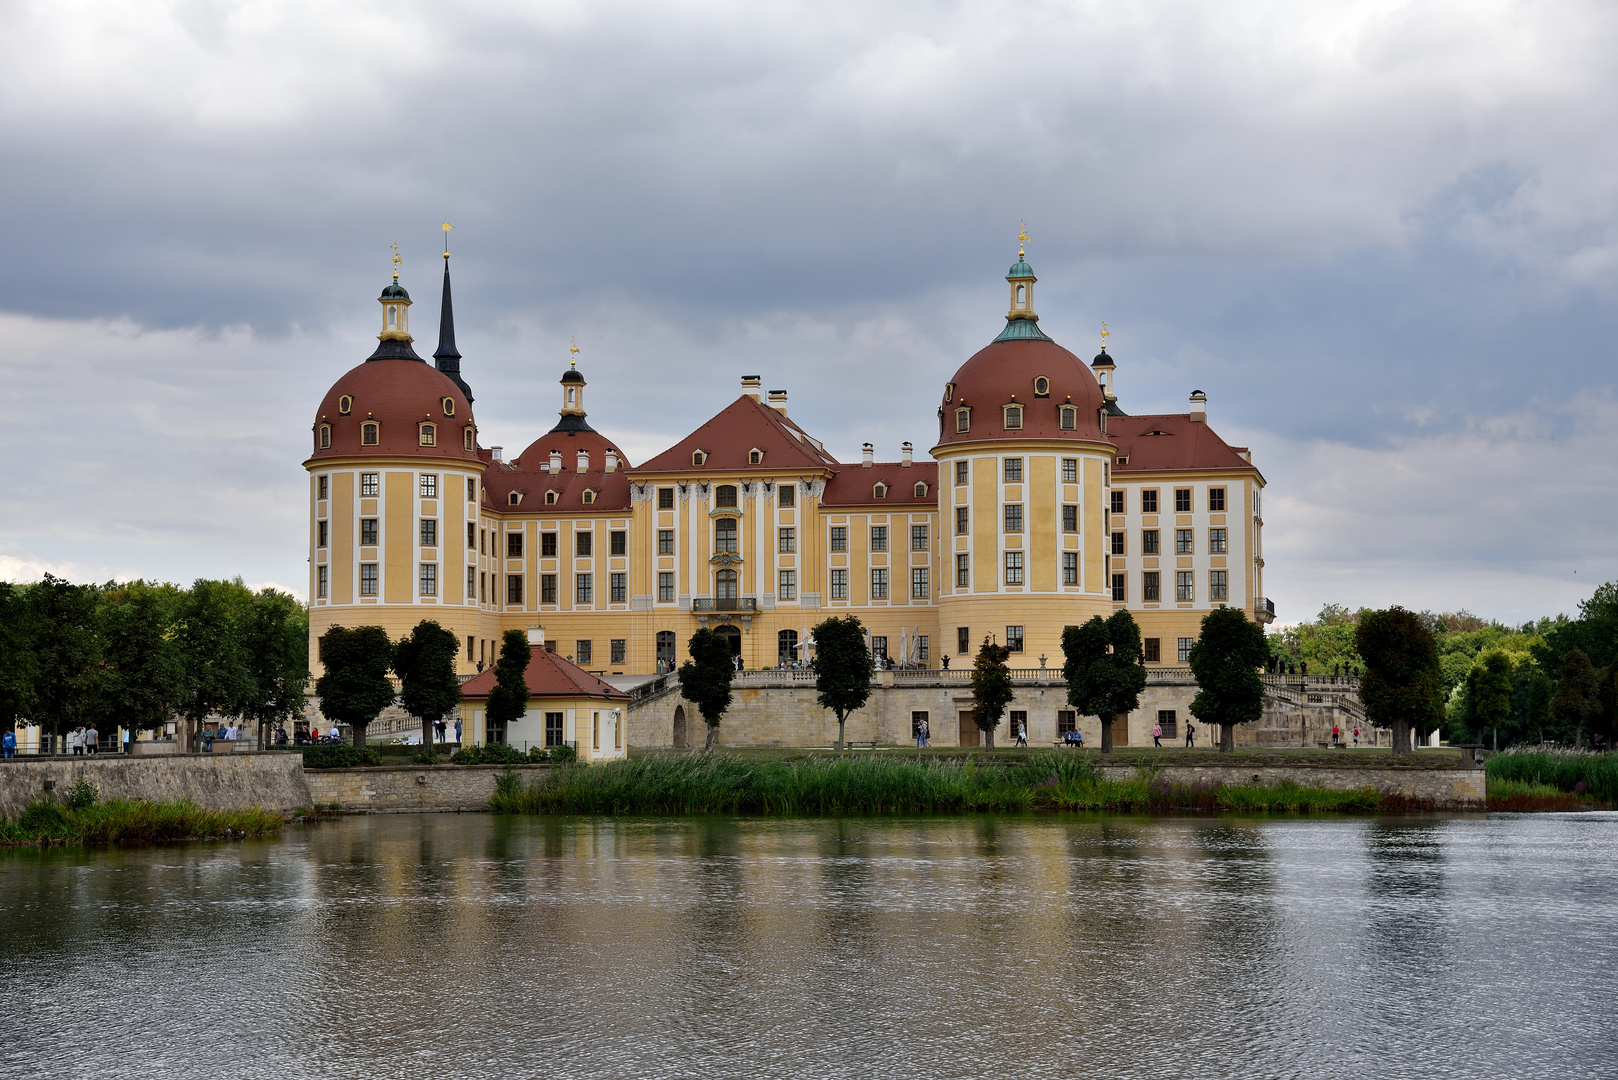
{"x": 722, "y": 784}
{"x": 131, "y": 821}
{"x": 1577, "y": 772}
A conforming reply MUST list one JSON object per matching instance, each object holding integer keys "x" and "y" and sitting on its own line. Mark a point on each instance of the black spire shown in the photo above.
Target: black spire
{"x": 448, "y": 359}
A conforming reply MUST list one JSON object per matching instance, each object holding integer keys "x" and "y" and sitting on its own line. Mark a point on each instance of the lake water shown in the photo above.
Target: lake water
{"x": 476, "y": 946}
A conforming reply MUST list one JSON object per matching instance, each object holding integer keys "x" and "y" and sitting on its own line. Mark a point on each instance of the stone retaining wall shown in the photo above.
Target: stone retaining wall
{"x": 398, "y": 789}
{"x": 212, "y": 781}
{"x": 1448, "y": 789}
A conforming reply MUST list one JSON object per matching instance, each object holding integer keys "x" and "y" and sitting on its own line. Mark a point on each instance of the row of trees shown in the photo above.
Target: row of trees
{"x": 138, "y": 654}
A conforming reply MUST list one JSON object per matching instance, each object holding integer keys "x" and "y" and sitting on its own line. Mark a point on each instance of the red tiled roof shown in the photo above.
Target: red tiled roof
{"x": 743, "y": 425}
{"x": 1169, "y": 441}
{"x": 399, "y": 394}
{"x": 854, "y": 485}
{"x": 530, "y": 476}
{"x": 548, "y": 676}
{"x": 1005, "y": 370}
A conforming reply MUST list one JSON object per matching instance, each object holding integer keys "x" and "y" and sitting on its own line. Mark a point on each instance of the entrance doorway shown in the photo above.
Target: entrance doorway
{"x": 665, "y": 650}
{"x": 679, "y": 727}
{"x": 732, "y": 635}
{"x": 970, "y": 735}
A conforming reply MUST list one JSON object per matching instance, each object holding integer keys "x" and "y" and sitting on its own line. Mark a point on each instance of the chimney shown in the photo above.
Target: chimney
{"x": 612, "y": 461}
{"x": 906, "y": 453}
{"x": 536, "y": 635}
{"x": 498, "y": 453}
{"x": 584, "y": 461}
{"x": 1199, "y": 407}
{"x": 867, "y": 455}
{"x": 750, "y": 385}
{"x": 556, "y": 462}
{"x": 778, "y": 401}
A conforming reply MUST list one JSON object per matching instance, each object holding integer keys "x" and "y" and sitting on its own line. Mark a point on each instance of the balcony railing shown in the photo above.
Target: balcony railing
{"x": 732, "y": 603}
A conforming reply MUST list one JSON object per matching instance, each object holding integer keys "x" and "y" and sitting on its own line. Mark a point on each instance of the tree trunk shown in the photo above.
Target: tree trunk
{"x": 841, "y": 720}
{"x": 1227, "y": 738}
{"x": 1495, "y": 736}
{"x": 359, "y": 735}
{"x": 1106, "y": 734}
{"x": 988, "y": 739}
{"x": 427, "y": 735}
{"x": 1401, "y": 736}
{"x": 713, "y": 733}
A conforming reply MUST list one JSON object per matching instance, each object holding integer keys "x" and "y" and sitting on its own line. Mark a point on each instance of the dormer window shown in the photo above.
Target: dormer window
{"x": 1070, "y": 418}
{"x": 325, "y": 436}
{"x": 698, "y": 457}
{"x": 1042, "y": 387}
{"x": 429, "y": 435}
{"x": 880, "y": 491}
{"x": 963, "y": 419}
{"x": 514, "y": 498}
{"x": 345, "y": 405}
{"x": 921, "y": 491}
{"x": 1013, "y": 417}
{"x": 755, "y": 456}
{"x": 449, "y": 406}
{"x": 589, "y": 497}
{"x": 949, "y": 392}
{"x": 468, "y": 437}
{"x": 550, "y": 498}
{"x": 370, "y": 433}
{"x": 1123, "y": 461}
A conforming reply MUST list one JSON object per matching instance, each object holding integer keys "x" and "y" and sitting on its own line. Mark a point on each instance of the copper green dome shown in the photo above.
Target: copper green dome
{"x": 1019, "y": 269}
{"x": 395, "y": 291}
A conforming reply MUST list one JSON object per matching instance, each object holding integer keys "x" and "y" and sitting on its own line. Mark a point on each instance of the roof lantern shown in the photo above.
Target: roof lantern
{"x": 393, "y": 343}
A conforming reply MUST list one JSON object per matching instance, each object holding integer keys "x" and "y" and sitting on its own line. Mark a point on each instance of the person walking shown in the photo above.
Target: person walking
{"x": 921, "y": 734}
{"x": 1336, "y": 734}
{"x": 1022, "y": 733}
{"x": 926, "y": 733}
{"x": 8, "y": 744}
{"x": 1157, "y": 734}
{"x": 92, "y": 740}
{"x": 457, "y": 730}
{"x": 76, "y": 741}
{"x": 1190, "y": 734}
{"x": 1356, "y": 736}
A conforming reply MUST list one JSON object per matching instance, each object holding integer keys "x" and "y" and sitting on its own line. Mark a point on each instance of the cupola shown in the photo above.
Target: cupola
{"x": 1022, "y": 324}
{"x": 572, "y": 396}
{"x": 395, "y": 307}
{"x": 1103, "y": 367}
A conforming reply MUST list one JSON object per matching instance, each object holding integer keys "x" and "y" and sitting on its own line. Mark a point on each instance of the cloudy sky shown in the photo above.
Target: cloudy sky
{"x": 1382, "y": 236}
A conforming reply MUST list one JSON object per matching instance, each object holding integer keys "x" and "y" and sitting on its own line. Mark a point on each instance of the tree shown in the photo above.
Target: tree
{"x": 275, "y": 640}
{"x": 1577, "y": 699}
{"x": 218, "y": 681}
{"x": 991, "y": 688}
{"x": 1104, "y": 670}
{"x": 508, "y": 701}
{"x": 843, "y": 667}
{"x": 1488, "y": 690}
{"x": 1226, "y": 660}
{"x": 705, "y": 679}
{"x": 69, "y": 680}
{"x": 424, "y": 660}
{"x": 144, "y": 667}
{"x": 355, "y": 688}
{"x": 18, "y": 655}
{"x": 1401, "y": 687}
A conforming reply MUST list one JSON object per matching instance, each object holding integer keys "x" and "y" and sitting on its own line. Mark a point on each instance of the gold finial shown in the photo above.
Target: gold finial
{"x": 1105, "y": 334}
{"x": 447, "y": 228}
{"x": 1022, "y": 239}
{"x": 573, "y": 352}
{"x": 396, "y": 262}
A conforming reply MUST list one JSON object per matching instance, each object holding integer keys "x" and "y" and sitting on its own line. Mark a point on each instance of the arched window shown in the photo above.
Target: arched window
{"x": 572, "y": 397}
{"x": 1013, "y": 417}
{"x": 1070, "y": 418}
{"x": 698, "y": 457}
{"x": 370, "y": 434}
{"x": 393, "y": 316}
{"x": 325, "y": 436}
{"x": 1022, "y": 296}
{"x": 724, "y": 535}
{"x": 880, "y": 491}
{"x": 589, "y": 497}
{"x": 921, "y": 491}
{"x": 786, "y": 646}
{"x": 963, "y": 419}
{"x": 724, "y": 585}
{"x": 345, "y": 405}
{"x": 429, "y": 435}
{"x": 449, "y": 406}
{"x": 550, "y": 498}
{"x": 1042, "y": 387}
{"x": 467, "y": 437}
{"x": 665, "y": 646}
{"x": 513, "y": 498}
{"x": 724, "y": 496}
{"x": 755, "y": 456}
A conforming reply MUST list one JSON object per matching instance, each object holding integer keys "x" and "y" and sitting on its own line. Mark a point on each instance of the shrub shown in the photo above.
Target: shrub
{"x": 501, "y": 754}
{"x": 538, "y": 753}
{"x": 467, "y": 755}
{"x": 424, "y": 757}
{"x": 507, "y": 785}
{"x": 82, "y": 794}
{"x": 342, "y": 756}
{"x": 563, "y": 754}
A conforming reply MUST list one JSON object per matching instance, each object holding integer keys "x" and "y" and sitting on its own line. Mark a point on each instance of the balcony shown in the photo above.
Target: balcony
{"x": 1263, "y": 609}
{"x": 704, "y": 604}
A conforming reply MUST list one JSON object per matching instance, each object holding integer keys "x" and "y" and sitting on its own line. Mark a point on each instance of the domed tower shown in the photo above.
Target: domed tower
{"x": 1024, "y": 467}
{"x": 394, "y": 482}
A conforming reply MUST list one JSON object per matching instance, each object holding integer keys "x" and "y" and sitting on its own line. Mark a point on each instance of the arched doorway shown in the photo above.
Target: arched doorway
{"x": 731, "y": 634}
{"x": 786, "y": 647}
{"x": 679, "y": 727}
{"x": 665, "y": 650}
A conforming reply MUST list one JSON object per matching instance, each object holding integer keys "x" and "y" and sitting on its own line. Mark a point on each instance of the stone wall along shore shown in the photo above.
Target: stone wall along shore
{"x": 213, "y": 781}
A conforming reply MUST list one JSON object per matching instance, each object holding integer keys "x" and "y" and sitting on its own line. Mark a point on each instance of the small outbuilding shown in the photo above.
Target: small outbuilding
{"x": 566, "y": 706}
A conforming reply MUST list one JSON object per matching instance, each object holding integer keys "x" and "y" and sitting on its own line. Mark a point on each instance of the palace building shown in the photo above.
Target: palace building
{"x": 1044, "y": 503}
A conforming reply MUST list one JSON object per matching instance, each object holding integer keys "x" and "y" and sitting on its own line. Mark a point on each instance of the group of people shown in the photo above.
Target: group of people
{"x": 84, "y": 740}
{"x": 441, "y": 729}
{"x": 1280, "y": 666}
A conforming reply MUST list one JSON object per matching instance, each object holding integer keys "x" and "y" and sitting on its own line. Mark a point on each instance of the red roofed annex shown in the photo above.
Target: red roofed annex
{"x": 1041, "y": 503}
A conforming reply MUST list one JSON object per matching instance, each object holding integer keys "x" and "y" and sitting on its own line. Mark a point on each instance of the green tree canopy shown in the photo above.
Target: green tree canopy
{"x": 275, "y": 646}
{"x": 218, "y": 678}
{"x": 508, "y": 701}
{"x": 1401, "y": 688}
{"x": 1488, "y": 688}
{"x": 991, "y": 688}
{"x": 705, "y": 678}
{"x": 1227, "y": 660}
{"x": 144, "y": 667}
{"x": 69, "y": 677}
{"x": 1104, "y": 669}
{"x": 843, "y": 667}
{"x": 424, "y": 660}
{"x": 355, "y": 688}
{"x": 1577, "y": 701}
{"x": 18, "y": 655}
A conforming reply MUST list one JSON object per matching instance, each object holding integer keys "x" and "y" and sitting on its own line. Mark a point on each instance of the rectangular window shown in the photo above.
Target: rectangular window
{"x": 513, "y": 588}
{"x": 960, "y": 472}
{"x": 665, "y": 587}
{"x": 725, "y": 535}
{"x": 963, "y": 419}
{"x": 879, "y": 538}
{"x": 919, "y": 588}
{"x": 1216, "y": 541}
{"x": 547, "y": 545}
{"x": 1013, "y": 568}
{"x": 879, "y": 645}
{"x": 1148, "y": 541}
{"x": 1070, "y": 518}
{"x": 429, "y": 579}
{"x": 368, "y": 579}
{"x": 583, "y": 652}
{"x": 583, "y": 588}
{"x": 483, "y": 586}
{"x": 1118, "y": 543}
{"x": 787, "y": 540}
{"x": 918, "y": 538}
{"x": 471, "y": 490}
{"x": 1067, "y": 721}
{"x": 1182, "y": 500}
{"x": 1216, "y": 500}
{"x": 514, "y": 545}
{"x": 787, "y": 588}
{"x": 839, "y": 584}
{"x": 325, "y": 487}
{"x": 665, "y": 541}
{"x": 879, "y": 584}
{"x": 471, "y": 587}
{"x": 1014, "y": 518}
{"x": 368, "y": 484}
{"x": 1120, "y": 591}
{"x": 620, "y": 649}
{"x": 320, "y": 533}
{"x": 368, "y": 531}
{"x": 1148, "y": 501}
{"x": 1153, "y": 649}
{"x": 1217, "y": 585}
{"x": 665, "y": 498}
{"x": 963, "y": 520}
{"x": 429, "y": 485}
{"x": 921, "y": 648}
{"x": 618, "y": 588}
{"x": 963, "y": 640}
{"x": 839, "y": 538}
{"x": 1185, "y": 649}
{"x": 483, "y": 542}
{"x": 1184, "y": 541}
{"x": 1014, "y": 639}
{"x": 429, "y": 532}
{"x": 1070, "y": 568}
{"x": 1150, "y": 590}
{"x": 963, "y": 571}
{"x": 1117, "y": 502}
{"x": 555, "y": 727}
{"x": 1169, "y": 722}
{"x": 1184, "y": 589}
{"x": 618, "y": 543}
{"x": 1070, "y": 470}
{"x": 787, "y": 495}
{"x": 1013, "y": 470}
{"x": 322, "y": 580}
{"x": 471, "y": 536}
{"x": 582, "y": 543}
